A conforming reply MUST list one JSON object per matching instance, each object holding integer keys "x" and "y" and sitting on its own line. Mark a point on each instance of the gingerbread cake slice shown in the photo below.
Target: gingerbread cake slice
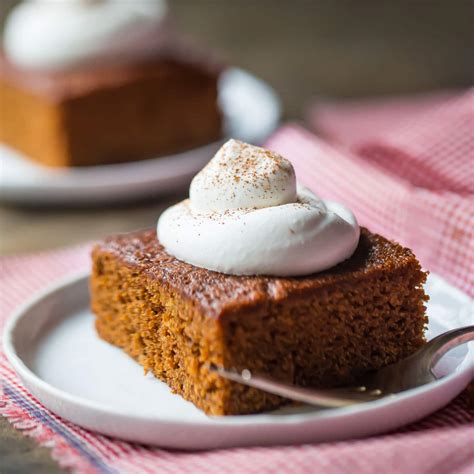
{"x": 320, "y": 330}
{"x": 111, "y": 114}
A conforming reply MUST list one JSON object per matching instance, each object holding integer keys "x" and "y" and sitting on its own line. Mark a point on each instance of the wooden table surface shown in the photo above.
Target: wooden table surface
{"x": 305, "y": 49}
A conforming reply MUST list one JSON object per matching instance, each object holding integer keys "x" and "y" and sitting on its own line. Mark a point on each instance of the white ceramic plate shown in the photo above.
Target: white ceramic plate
{"x": 52, "y": 344}
{"x": 251, "y": 112}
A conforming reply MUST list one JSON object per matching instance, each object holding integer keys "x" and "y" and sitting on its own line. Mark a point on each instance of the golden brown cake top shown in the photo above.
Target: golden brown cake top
{"x": 217, "y": 293}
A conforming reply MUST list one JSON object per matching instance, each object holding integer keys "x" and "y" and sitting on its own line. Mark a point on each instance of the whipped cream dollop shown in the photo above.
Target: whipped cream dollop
{"x": 246, "y": 215}
{"x": 59, "y": 34}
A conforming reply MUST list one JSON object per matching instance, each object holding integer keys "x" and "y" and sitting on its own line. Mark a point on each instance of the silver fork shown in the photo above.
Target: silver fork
{"x": 409, "y": 373}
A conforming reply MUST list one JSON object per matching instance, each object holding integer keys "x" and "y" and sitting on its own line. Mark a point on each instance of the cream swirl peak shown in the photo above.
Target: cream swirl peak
{"x": 246, "y": 215}
{"x": 243, "y": 176}
{"x": 60, "y": 34}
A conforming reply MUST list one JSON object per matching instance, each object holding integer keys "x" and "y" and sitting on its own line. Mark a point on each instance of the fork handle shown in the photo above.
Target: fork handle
{"x": 333, "y": 398}
{"x": 443, "y": 343}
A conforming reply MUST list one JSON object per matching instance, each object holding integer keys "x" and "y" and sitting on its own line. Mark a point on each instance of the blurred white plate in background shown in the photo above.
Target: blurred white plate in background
{"x": 52, "y": 344}
{"x": 251, "y": 112}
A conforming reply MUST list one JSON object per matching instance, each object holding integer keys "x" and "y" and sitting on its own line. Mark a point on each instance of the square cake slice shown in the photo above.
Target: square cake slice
{"x": 321, "y": 330}
{"x": 109, "y": 114}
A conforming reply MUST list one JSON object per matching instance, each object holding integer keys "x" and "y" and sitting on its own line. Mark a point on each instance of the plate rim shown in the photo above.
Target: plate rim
{"x": 261, "y": 420}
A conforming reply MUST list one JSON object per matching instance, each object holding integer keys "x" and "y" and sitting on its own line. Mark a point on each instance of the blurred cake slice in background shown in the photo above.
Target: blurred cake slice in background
{"x": 94, "y": 82}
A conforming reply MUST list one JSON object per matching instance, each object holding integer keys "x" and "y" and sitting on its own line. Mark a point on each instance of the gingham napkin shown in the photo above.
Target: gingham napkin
{"x": 428, "y": 141}
{"x": 438, "y": 444}
{"x": 406, "y": 169}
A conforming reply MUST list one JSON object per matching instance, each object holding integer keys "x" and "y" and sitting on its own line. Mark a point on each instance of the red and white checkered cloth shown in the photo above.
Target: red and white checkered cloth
{"x": 428, "y": 141}
{"x": 439, "y": 444}
{"x": 406, "y": 169}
